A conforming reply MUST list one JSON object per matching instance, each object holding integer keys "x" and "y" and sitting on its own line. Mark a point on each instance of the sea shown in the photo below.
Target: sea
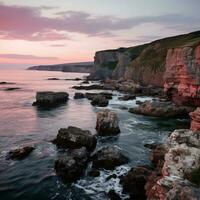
{"x": 21, "y": 124}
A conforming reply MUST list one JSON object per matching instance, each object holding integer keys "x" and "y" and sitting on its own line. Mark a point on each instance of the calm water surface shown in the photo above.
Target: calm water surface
{"x": 21, "y": 124}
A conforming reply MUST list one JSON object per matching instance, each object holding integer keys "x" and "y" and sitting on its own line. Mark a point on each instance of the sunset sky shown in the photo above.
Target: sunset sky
{"x": 47, "y": 31}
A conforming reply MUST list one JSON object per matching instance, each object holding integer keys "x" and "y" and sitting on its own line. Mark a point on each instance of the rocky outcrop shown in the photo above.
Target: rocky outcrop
{"x": 99, "y": 100}
{"x": 85, "y": 67}
{"x": 79, "y": 95}
{"x": 20, "y": 153}
{"x": 107, "y": 95}
{"x": 108, "y": 157}
{"x": 107, "y": 123}
{"x": 182, "y": 157}
{"x": 182, "y": 76}
{"x": 158, "y": 108}
{"x": 195, "y": 120}
{"x": 89, "y": 87}
{"x": 50, "y": 98}
{"x": 127, "y": 97}
{"x": 73, "y": 137}
{"x": 71, "y": 166}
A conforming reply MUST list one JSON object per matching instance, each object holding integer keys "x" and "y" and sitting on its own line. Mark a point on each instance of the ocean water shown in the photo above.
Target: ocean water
{"x": 22, "y": 124}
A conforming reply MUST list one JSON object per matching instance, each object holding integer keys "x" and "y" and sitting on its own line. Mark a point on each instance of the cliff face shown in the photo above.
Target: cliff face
{"x": 182, "y": 76}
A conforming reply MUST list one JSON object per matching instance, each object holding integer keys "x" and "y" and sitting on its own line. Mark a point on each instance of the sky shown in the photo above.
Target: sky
{"x": 50, "y": 32}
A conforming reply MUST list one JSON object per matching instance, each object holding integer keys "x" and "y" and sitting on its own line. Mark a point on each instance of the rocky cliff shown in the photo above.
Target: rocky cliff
{"x": 84, "y": 67}
{"x": 182, "y": 76}
{"x": 145, "y": 64}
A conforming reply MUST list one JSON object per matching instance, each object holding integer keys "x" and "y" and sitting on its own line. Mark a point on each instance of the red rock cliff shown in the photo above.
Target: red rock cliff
{"x": 182, "y": 75}
{"x": 195, "y": 117}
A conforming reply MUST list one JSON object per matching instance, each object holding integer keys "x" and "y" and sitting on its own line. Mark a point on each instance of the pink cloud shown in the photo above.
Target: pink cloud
{"x": 27, "y": 23}
{"x": 26, "y": 57}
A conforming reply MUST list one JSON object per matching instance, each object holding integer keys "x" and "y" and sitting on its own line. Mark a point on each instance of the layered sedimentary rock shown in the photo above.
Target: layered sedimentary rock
{"x": 195, "y": 117}
{"x": 182, "y": 76}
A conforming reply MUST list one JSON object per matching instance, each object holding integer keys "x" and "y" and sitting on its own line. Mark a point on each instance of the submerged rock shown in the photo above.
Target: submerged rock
{"x": 73, "y": 137}
{"x": 71, "y": 167}
{"x": 53, "y": 79}
{"x": 20, "y": 153}
{"x": 100, "y": 101}
{"x": 50, "y": 98}
{"x": 195, "y": 117}
{"x": 113, "y": 195}
{"x": 161, "y": 109}
{"x": 107, "y": 123}
{"x": 108, "y": 157}
{"x": 79, "y": 95}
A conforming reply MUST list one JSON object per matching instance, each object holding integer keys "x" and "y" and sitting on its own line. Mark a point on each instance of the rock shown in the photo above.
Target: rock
{"x": 89, "y": 87}
{"x": 72, "y": 166}
{"x": 180, "y": 169}
{"x": 50, "y": 98}
{"x": 108, "y": 157}
{"x": 107, "y": 123}
{"x": 100, "y": 101}
{"x": 114, "y": 176}
{"x": 12, "y": 89}
{"x": 182, "y": 83}
{"x": 85, "y": 82}
{"x": 113, "y": 195}
{"x": 94, "y": 173}
{"x": 20, "y": 153}
{"x": 79, "y": 95}
{"x": 127, "y": 97}
{"x": 90, "y": 96}
{"x": 195, "y": 117}
{"x": 53, "y": 79}
{"x": 73, "y": 137}
{"x": 161, "y": 109}
{"x": 134, "y": 182}
{"x": 6, "y": 83}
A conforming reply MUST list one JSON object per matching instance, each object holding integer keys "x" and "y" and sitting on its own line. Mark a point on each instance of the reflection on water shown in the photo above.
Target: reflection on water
{"x": 21, "y": 123}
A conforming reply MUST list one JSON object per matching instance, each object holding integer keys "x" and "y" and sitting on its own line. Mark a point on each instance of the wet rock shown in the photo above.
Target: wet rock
{"x": 53, "y": 79}
{"x": 20, "y": 153}
{"x": 134, "y": 182}
{"x": 113, "y": 195}
{"x": 79, "y": 95}
{"x": 127, "y": 97}
{"x": 195, "y": 117}
{"x": 89, "y": 87}
{"x": 50, "y": 98}
{"x": 108, "y": 157}
{"x": 94, "y": 173}
{"x": 12, "y": 89}
{"x": 6, "y": 83}
{"x": 71, "y": 167}
{"x": 107, "y": 95}
{"x": 100, "y": 101}
{"x": 73, "y": 137}
{"x": 111, "y": 176}
{"x": 85, "y": 82}
{"x": 138, "y": 102}
{"x": 161, "y": 109}
{"x": 107, "y": 123}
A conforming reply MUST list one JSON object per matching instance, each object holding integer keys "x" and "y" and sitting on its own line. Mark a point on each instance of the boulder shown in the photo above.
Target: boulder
{"x": 71, "y": 166}
{"x": 73, "y": 137}
{"x": 195, "y": 117}
{"x": 20, "y": 153}
{"x": 107, "y": 123}
{"x": 108, "y": 157}
{"x": 100, "y": 101}
{"x": 158, "y": 108}
{"x": 113, "y": 195}
{"x": 50, "y": 98}
{"x": 89, "y": 87}
{"x": 134, "y": 182}
{"x": 79, "y": 95}
{"x": 90, "y": 96}
{"x": 127, "y": 97}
